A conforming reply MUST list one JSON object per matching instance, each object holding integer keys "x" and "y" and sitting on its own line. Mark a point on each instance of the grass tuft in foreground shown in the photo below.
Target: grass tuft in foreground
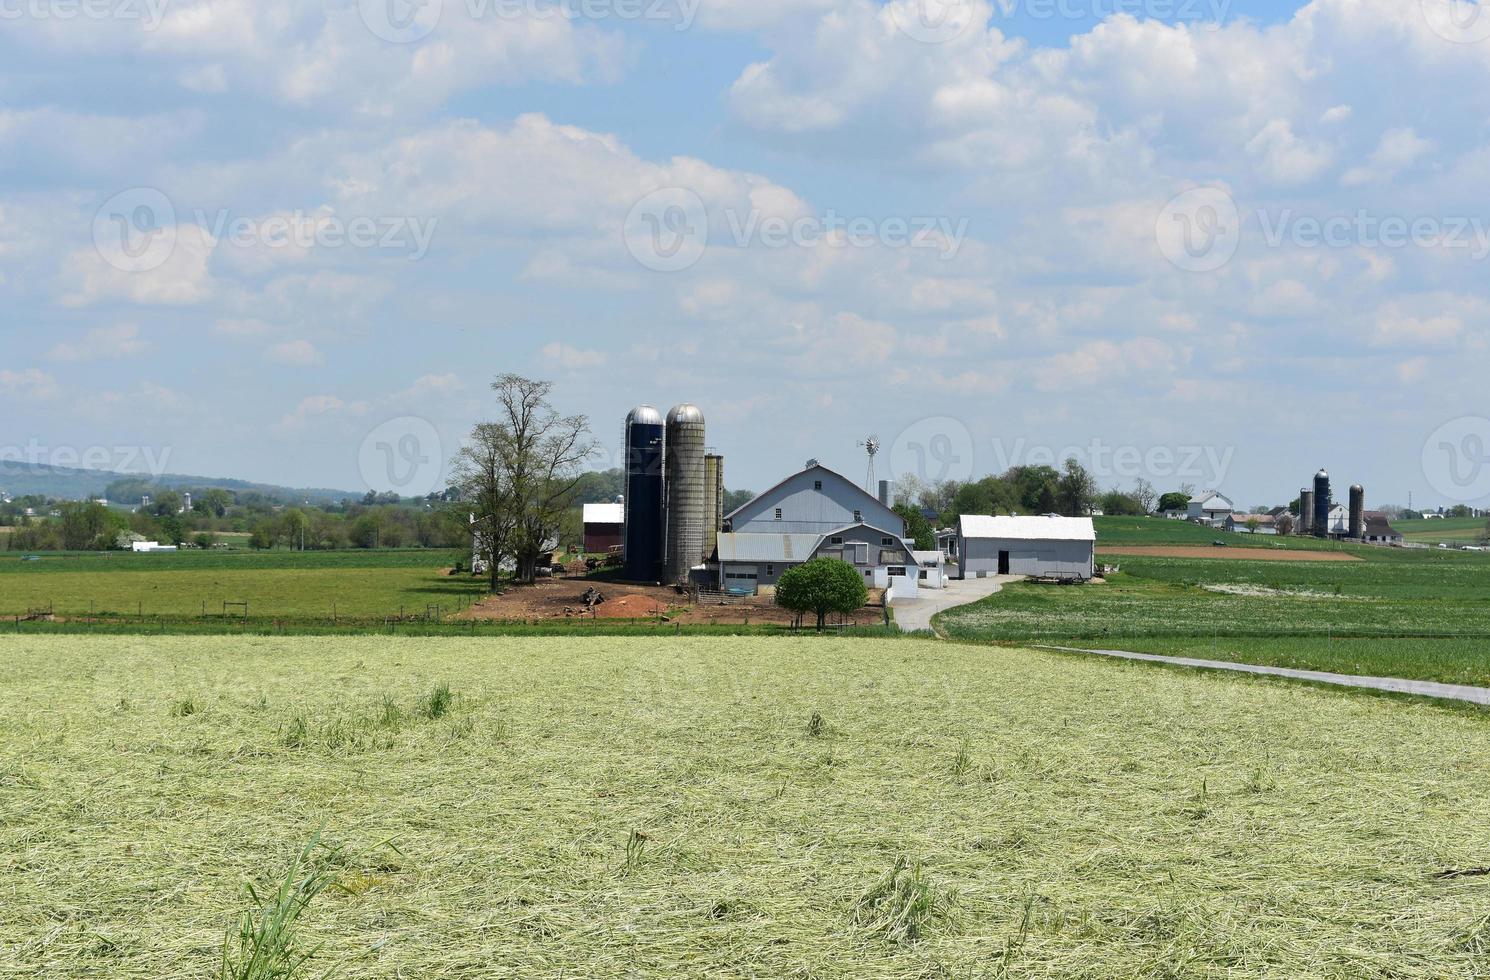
{"x": 903, "y": 904}
{"x": 266, "y": 944}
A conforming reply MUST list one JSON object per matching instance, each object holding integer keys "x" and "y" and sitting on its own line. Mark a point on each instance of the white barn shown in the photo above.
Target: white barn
{"x": 1210, "y": 508}
{"x": 1041, "y": 547}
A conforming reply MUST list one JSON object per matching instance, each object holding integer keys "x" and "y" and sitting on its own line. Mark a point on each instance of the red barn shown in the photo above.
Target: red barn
{"x": 605, "y": 526}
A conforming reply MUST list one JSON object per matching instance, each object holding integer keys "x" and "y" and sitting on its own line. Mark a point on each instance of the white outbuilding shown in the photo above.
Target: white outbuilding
{"x": 1040, "y": 547}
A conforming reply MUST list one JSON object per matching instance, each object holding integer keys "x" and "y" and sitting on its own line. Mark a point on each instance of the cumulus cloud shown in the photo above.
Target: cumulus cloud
{"x": 101, "y": 343}
{"x": 294, "y": 353}
{"x": 31, "y": 384}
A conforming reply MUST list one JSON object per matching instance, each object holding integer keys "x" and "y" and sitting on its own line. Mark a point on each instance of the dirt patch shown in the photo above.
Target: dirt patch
{"x": 1235, "y": 554}
{"x": 563, "y": 599}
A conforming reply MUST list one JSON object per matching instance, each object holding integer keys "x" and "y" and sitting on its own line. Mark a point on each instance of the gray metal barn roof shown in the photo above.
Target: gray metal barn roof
{"x": 767, "y": 547}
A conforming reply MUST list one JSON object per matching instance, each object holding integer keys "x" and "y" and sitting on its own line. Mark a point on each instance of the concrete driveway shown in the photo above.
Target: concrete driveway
{"x": 915, "y": 614}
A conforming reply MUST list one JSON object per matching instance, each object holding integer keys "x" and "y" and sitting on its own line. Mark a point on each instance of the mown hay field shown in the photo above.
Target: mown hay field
{"x": 729, "y": 807}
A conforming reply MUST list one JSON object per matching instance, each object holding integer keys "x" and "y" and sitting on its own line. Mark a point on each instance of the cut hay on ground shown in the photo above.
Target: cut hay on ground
{"x": 728, "y": 807}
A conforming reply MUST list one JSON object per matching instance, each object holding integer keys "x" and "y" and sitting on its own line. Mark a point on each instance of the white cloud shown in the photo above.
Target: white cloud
{"x": 182, "y": 278}
{"x": 294, "y": 353}
{"x": 572, "y": 358}
{"x": 101, "y": 343}
{"x": 30, "y": 384}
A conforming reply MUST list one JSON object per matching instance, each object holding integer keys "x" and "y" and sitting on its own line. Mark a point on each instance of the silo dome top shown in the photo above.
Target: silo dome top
{"x": 644, "y": 415}
{"x": 1321, "y": 475}
{"x": 1358, "y": 488}
{"x": 685, "y": 413}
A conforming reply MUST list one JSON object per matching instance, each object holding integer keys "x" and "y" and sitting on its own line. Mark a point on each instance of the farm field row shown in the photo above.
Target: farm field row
{"x": 282, "y": 592}
{"x": 1422, "y": 615}
{"x": 729, "y": 807}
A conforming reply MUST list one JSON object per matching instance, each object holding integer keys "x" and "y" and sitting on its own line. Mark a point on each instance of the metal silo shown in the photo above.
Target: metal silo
{"x": 644, "y": 530}
{"x": 1323, "y": 502}
{"x": 1357, "y": 512}
{"x": 713, "y": 501}
{"x": 686, "y": 510}
{"x": 1306, "y": 511}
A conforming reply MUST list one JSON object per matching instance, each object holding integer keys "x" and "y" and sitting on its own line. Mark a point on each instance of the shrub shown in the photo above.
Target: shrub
{"x": 822, "y": 586}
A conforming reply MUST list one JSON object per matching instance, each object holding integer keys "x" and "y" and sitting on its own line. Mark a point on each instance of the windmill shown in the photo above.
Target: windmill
{"x": 870, "y": 445}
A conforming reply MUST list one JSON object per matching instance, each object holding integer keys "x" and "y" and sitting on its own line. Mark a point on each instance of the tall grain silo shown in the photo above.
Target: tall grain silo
{"x": 1323, "y": 503}
{"x": 713, "y": 501}
{"x": 644, "y": 529}
{"x": 1306, "y": 511}
{"x": 685, "y": 508}
{"x": 1357, "y": 512}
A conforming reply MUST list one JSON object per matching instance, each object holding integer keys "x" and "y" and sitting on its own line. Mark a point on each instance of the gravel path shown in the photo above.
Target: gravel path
{"x": 1396, "y": 685}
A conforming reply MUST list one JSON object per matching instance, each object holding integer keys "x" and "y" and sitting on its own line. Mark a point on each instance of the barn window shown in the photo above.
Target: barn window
{"x": 835, "y": 541}
{"x": 817, "y": 485}
{"x": 778, "y": 513}
{"x": 887, "y": 542}
{"x": 770, "y": 569}
{"x": 858, "y": 516}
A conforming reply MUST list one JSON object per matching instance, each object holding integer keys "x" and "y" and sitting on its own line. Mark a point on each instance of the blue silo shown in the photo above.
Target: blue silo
{"x": 644, "y": 524}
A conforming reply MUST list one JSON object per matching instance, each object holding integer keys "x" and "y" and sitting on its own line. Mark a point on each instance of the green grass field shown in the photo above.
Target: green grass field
{"x": 274, "y": 584}
{"x": 610, "y": 808}
{"x": 1405, "y": 613}
{"x": 1122, "y": 531}
{"x": 1452, "y": 530}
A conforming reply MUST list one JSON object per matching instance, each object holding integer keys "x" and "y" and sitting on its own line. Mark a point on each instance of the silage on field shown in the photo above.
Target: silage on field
{"x": 745, "y": 807}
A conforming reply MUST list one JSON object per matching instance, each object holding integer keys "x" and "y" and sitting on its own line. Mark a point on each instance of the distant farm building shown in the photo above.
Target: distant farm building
{"x": 1039, "y": 547}
{"x": 1210, "y": 508}
{"x": 815, "y": 513}
{"x": 1252, "y": 524}
{"x": 605, "y": 527}
{"x": 1379, "y": 529}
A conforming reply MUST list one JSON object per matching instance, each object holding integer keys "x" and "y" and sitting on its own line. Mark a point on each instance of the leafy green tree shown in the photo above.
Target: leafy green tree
{"x": 1077, "y": 490}
{"x": 1181, "y": 501}
{"x": 167, "y": 504}
{"x": 1115, "y": 503}
{"x": 917, "y": 526}
{"x": 215, "y": 502}
{"x": 822, "y": 586}
{"x": 1038, "y": 488}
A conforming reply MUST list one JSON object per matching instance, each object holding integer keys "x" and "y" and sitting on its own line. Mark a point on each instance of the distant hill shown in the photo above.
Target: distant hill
{"x": 20, "y": 479}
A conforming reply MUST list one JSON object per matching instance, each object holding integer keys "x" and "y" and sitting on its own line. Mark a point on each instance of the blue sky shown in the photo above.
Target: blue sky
{"x": 1200, "y": 243}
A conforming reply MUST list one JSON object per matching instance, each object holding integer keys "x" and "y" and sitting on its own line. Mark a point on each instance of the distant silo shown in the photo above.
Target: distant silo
{"x": 644, "y": 530}
{"x": 685, "y": 507}
{"x": 1306, "y": 511}
{"x": 1357, "y": 512}
{"x": 887, "y": 492}
{"x": 1323, "y": 503}
{"x": 713, "y": 502}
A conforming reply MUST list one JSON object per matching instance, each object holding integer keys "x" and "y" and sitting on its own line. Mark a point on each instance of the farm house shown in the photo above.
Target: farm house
{"x": 1040, "y": 547}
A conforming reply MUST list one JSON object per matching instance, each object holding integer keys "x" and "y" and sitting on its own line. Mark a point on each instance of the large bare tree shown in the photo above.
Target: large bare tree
{"x": 519, "y": 473}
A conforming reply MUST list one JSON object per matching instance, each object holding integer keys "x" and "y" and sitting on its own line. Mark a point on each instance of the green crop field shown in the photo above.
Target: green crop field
{"x": 1418, "y": 614}
{"x": 275, "y": 583}
{"x": 1127, "y": 531}
{"x": 1453, "y": 530}
{"x": 726, "y": 807}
